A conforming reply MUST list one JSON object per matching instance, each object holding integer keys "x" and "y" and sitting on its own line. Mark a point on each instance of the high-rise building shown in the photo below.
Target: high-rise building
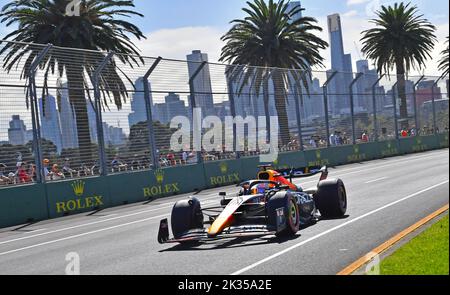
{"x": 202, "y": 83}
{"x": 293, "y": 92}
{"x": 17, "y": 132}
{"x": 50, "y": 122}
{"x": 138, "y": 109}
{"x": 69, "y": 134}
{"x": 342, "y": 63}
{"x": 363, "y": 97}
{"x": 68, "y": 123}
{"x": 175, "y": 106}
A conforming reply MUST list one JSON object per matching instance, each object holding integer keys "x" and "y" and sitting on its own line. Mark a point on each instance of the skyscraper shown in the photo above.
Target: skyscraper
{"x": 291, "y": 111}
{"x": 138, "y": 109}
{"x": 17, "y": 132}
{"x": 202, "y": 83}
{"x": 69, "y": 136}
{"x": 341, "y": 63}
{"x": 50, "y": 123}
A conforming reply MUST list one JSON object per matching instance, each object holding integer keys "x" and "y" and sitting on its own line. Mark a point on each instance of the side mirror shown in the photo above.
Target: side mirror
{"x": 223, "y": 194}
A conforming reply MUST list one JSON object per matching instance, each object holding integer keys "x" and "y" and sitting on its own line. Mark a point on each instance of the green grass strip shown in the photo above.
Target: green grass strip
{"x": 426, "y": 254}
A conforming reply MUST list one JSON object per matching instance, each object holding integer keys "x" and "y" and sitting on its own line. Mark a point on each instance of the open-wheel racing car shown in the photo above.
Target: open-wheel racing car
{"x": 270, "y": 205}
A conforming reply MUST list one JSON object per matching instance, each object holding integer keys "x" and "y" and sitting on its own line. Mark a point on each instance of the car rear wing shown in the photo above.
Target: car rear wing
{"x": 304, "y": 172}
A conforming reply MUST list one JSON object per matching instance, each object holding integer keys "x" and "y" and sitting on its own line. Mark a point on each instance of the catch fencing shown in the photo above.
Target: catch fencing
{"x": 70, "y": 113}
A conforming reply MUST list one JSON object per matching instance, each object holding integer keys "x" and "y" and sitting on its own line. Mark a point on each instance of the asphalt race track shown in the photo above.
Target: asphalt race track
{"x": 385, "y": 197}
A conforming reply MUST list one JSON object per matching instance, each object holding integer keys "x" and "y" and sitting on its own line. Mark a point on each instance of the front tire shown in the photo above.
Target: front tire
{"x": 331, "y": 198}
{"x": 186, "y": 215}
{"x": 287, "y": 202}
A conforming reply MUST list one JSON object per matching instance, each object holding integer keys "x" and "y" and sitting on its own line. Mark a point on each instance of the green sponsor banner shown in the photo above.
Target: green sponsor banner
{"x": 77, "y": 196}
{"x": 290, "y": 160}
{"x": 22, "y": 204}
{"x": 417, "y": 144}
{"x": 249, "y": 167}
{"x": 389, "y": 148}
{"x": 443, "y": 141}
{"x": 333, "y": 156}
{"x": 149, "y": 185}
{"x": 222, "y": 173}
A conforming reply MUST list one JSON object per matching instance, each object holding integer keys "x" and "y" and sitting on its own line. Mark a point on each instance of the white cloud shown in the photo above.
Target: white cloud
{"x": 350, "y": 13}
{"x": 177, "y": 43}
{"x": 356, "y": 2}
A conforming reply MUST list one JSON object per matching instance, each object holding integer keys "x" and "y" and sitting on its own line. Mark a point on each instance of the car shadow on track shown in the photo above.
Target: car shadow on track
{"x": 230, "y": 243}
{"x": 240, "y": 242}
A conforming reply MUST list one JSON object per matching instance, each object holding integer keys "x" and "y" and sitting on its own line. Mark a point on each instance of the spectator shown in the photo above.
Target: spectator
{"x": 171, "y": 158}
{"x": 313, "y": 143}
{"x": 333, "y": 139}
{"x": 339, "y": 139}
{"x": 32, "y": 172}
{"x": 56, "y": 174}
{"x": 4, "y": 179}
{"x": 22, "y": 174}
{"x": 46, "y": 163}
{"x": 135, "y": 163}
{"x": 365, "y": 137}
{"x": 192, "y": 158}
{"x": 184, "y": 157}
{"x": 404, "y": 133}
{"x": 118, "y": 164}
{"x": 66, "y": 170}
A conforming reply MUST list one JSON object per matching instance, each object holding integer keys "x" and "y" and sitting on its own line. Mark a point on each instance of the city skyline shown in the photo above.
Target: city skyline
{"x": 340, "y": 60}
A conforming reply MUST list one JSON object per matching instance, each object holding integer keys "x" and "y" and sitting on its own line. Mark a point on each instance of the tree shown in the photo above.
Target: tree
{"x": 444, "y": 64}
{"x": 402, "y": 39}
{"x": 96, "y": 27}
{"x": 271, "y": 36}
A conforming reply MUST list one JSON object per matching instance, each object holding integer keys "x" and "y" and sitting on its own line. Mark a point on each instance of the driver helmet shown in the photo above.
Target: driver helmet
{"x": 262, "y": 188}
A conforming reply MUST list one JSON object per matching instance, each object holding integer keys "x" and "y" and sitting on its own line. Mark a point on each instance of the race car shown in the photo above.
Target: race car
{"x": 269, "y": 205}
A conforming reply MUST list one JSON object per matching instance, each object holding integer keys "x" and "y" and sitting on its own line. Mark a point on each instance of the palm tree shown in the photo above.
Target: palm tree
{"x": 402, "y": 39}
{"x": 96, "y": 27}
{"x": 444, "y": 64}
{"x": 271, "y": 35}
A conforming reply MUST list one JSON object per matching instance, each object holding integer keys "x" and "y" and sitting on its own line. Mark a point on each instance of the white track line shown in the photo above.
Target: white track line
{"x": 81, "y": 235}
{"x": 335, "y": 229}
{"x": 169, "y": 205}
{"x": 376, "y": 180}
{"x": 83, "y": 225}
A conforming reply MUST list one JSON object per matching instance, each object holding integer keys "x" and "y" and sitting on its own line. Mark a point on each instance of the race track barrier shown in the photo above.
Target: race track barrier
{"x": 36, "y": 202}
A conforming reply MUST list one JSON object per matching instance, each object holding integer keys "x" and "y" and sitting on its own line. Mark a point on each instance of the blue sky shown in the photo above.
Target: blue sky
{"x": 175, "y": 27}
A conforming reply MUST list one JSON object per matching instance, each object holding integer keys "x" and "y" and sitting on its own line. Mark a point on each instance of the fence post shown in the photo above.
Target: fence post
{"x": 193, "y": 106}
{"x": 40, "y": 178}
{"x": 394, "y": 101}
{"x": 433, "y": 102}
{"x": 148, "y": 108}
{"x": 299, "y": 98}
{"x": 325, "y": 104}
{"x": 352, "y": 105}
{"x": 98, "y": 110}
{"x": 416, "y": 116}
{"x": 374, "y": 103}
{"x": 233, "y": 75}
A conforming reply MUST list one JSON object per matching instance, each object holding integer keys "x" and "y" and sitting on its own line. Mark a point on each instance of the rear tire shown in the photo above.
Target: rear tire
{"x": 331, "y": 198}
{"x": 186, "y": 215}
{"x": 287, "y": 202}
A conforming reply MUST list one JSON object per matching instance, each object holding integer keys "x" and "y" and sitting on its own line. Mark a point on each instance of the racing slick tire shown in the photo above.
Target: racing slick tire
{"x": 331, "y": 198}
{"x": 186, "y": 215}
{"x": 289, "y": 224}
